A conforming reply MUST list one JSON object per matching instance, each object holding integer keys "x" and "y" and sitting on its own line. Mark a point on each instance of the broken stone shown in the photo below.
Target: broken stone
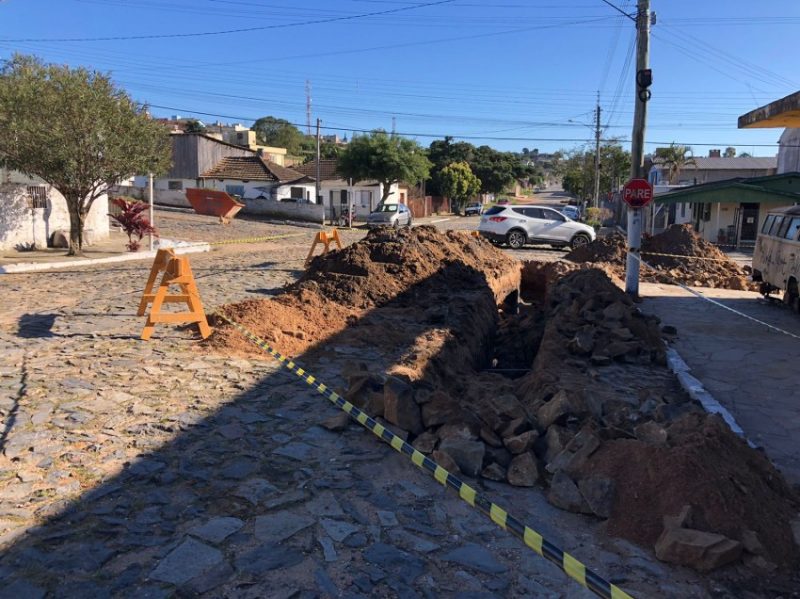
{"x": 583, "y": 343}
{"x": 514, "y": 427}
{"x": 521, "y": 443}
{"x": 618, "y": 349}
{"x": 682, "y": 520}
{"x": 523, "y": 470}
{"x": 560, "y": 405}
{"x": 337, "y": 422}
{"x": 599, "y": 360}
{"x": 426, "y": 442}
{"x": 759, "y": 564}
{"x": 440, "y": 409}
{"x": 651, "y": 433}
{"x": 460, "y": 430}
{"x": 446, "y": 461}
{"x": 598, "y": 491}
{"x": 703, "y": 551}
{"x": 564, "y": 494}
{"x": 556, "y": 438}
{"x": 500, "y": 455}
{"x": 399, "y": 406}
{"x": 508, "y": 407}
{"x": 577, "y": 451}
{"x": 466, "y": 453}
{"x": 488, "y": 437}
{"x": 751, "y": 543}
{"x": 616, "y": 311}
{"x": 494, "y": 471}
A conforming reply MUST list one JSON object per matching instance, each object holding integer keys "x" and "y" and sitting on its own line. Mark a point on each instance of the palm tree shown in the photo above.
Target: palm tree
{"x": 674, "y": 158}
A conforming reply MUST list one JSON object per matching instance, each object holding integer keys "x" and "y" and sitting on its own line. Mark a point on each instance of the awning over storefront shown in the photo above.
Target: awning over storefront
{"x": 783, "y": 190}
{"x": 778, "y": 114}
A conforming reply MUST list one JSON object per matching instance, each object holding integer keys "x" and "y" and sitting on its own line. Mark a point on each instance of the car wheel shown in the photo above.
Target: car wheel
{"x": 516, "y": 239}
{"x": 408, "y": 224}
{"x": 579, "y": 240}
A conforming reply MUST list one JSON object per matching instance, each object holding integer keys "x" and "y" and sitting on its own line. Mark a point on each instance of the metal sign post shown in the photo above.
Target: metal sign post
{"x": 637, "y": 194}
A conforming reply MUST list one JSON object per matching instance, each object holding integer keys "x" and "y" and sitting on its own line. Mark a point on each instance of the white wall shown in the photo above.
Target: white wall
{"x": 360, "y": 196}
{"x": 302, "y": 211}
{"x": 21, "y": 225}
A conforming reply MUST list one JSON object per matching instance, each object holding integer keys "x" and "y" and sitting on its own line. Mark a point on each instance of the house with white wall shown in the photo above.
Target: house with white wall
{"x": 31, "y": 211}
{"x": 334, "y": 191}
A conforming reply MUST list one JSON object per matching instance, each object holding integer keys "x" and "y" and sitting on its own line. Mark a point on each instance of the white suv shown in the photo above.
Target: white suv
{"x": 518, "y": 225}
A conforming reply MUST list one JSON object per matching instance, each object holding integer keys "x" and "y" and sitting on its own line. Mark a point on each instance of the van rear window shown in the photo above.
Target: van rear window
{"x": 494, "y": 210}
{"x": 784, "y": 226}
{"x": 773, "y": 230}
{"x": 791, "y": 232}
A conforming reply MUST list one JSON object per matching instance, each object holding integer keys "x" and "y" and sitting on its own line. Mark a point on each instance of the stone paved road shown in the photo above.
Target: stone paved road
{"x": 152, "y": 469}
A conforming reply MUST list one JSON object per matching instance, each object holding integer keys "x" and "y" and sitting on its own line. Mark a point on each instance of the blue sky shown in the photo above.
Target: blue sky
{"x": 508, "y": 73}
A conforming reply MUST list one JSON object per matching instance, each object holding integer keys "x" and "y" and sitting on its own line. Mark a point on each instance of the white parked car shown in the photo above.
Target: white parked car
{"x": 519, "y": 225}
{"x": 390, "y": 215}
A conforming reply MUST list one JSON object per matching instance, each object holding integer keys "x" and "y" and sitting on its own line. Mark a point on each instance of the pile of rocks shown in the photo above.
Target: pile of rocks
{"x": 676, "y": 255}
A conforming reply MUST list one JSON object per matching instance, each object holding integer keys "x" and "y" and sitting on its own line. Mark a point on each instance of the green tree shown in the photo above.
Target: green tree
{"x": 76, "y": 130}
{"x": 496, "y": 170}
{"x": 443, "y": 152}
{"x": 279, "y": 133}
{"x": 577, "y": 170}
{"x": 194, "y": 126}
{"x": 459, "y": 183}
{"x": 730, "y": 152}
{"x": 674, "y": 158}
{"x": 384, "y": 158}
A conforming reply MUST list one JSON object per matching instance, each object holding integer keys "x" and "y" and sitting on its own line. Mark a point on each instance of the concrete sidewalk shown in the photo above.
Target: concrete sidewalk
{"x": 750, "y": 369}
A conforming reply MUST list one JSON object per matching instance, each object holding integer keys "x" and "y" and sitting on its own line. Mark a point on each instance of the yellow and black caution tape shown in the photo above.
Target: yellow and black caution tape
{"x": 571, "y": 566}
{"x": 255, "y": 239}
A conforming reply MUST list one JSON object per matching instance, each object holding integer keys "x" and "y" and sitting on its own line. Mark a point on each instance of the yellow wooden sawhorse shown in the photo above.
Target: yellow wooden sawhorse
{"x": 326, "y": 238}
{"x": 177, "y": 271}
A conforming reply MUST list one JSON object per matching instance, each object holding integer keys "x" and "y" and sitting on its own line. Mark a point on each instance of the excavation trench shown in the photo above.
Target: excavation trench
{"x": 542, "y": 375}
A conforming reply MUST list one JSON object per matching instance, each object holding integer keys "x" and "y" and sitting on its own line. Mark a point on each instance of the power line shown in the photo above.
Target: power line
{"x": 479, "y": 137}
{"x": 230, "y": 31}
{"x": 619, "y": 10}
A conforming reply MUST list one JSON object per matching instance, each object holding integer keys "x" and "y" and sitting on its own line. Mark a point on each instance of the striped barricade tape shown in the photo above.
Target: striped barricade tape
{"x": 570, "y": 565}
{"x": 685, "y": 256}
{"x": 254, "y": 239}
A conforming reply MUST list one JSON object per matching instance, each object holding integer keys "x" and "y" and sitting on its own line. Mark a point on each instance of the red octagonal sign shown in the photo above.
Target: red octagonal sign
{"x": 637, "y": 193}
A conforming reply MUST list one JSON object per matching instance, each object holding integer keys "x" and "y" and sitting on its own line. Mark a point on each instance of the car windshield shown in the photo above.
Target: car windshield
{"x": 387, "y": 208}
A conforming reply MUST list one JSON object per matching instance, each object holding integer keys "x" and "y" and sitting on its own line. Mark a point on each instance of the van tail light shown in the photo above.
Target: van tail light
{"x": 496, "y": 219}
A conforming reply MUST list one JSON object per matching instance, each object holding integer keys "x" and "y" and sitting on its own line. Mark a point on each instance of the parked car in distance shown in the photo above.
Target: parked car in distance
{"x": 520, "y": 225}
{"x": 390, "y": 215}
{"x": 503, "y": 202}
{"x": 472, "y": 209}
{"x": 572, "y": 212}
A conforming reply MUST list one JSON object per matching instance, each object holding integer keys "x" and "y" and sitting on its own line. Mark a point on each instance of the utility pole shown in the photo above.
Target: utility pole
{"x": 316, "y": 179}
{"x": 596, "y": 195}
{"x": 150, "y": 197}
{"x": 394, "y": 124}
{"x": 308, "y": 107}
{"x": 643, "y": 81}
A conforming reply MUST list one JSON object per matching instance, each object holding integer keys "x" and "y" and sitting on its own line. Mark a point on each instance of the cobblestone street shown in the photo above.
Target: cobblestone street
{"x": 147, "y": 469}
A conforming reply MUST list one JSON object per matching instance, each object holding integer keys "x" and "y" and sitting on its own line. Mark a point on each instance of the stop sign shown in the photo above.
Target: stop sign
{"x": 637, "y": 193}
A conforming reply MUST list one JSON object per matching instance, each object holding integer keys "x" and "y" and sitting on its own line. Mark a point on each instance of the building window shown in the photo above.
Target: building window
{"x": 175, "y": 185}
{"x": 234, "y": 190}
{"x": 296, "y": 193}
{"x": 38, "y": 196}
{"x": 365, "y": 199}
{"x": 683, "y": 210}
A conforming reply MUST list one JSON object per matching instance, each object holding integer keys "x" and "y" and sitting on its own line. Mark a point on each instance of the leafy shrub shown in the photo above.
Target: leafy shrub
{"x": 133, "y": 221}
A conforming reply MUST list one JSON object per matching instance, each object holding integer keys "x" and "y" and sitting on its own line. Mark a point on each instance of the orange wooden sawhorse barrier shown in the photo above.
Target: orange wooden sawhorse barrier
{"x": 326, "y": 238}
{"x": 176, "y": 271}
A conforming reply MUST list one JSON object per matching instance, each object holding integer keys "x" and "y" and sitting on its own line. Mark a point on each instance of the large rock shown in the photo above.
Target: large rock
{"x": 583, "y": 342}
{"x": 703, "y": 551}
{"x": 560, "y": 405}
{"x": 564, "y": 494}
{"x": 514, "y": 427}
{"x": 598, "y": 491}
{"x": 651, "y": 433}
{"x": 426, "y": 442}
{"x": 575, "y": 454}
{"x": 441, "y": 409}
{"x": 523, "y": 470}
{"x": 466, "y": 453}
{"x": 521, "y": 443}
{"x": 494, "y": 471}
{"x": 446, "y": 461}
{"x": 458, "y": 430}
{"x": 556, "y": 438}
{"x": 399, "y": 406}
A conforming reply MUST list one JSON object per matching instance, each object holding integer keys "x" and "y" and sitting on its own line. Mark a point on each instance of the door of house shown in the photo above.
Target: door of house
{"x": 749, "y": 220}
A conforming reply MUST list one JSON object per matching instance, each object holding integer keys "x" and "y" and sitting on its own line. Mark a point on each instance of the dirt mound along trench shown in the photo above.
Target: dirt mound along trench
{"x": 387, "y": 266}
{"x": 716, "y": 270}
{"x": 626, "y": 444}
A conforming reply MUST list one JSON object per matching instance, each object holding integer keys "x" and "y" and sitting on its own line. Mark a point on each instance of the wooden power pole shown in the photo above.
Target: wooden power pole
{"x": 643, "y": 81}
{"x": 596, "y": 195}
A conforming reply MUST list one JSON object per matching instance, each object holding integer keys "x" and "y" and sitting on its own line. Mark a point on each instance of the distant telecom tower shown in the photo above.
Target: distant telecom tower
{"x": 308, "y": 106}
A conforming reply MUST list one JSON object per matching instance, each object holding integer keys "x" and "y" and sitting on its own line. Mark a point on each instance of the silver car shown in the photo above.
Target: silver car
{"x": 519, "y": 225}
{"x": 390, "y": 215}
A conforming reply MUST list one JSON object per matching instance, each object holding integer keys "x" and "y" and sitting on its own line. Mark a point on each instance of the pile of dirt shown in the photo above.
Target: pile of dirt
{"x": 704, "y": 266}
{"x": 628, "y": 445}
{"x": 418, "y": 270}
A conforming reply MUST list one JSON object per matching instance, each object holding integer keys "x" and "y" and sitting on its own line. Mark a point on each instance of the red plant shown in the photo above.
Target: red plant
{"x": 133, "y": 221}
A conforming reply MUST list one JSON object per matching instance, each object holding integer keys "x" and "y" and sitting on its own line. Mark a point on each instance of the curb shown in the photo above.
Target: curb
{"x": 697, "y": 392}
{"x": 22, "y": 267}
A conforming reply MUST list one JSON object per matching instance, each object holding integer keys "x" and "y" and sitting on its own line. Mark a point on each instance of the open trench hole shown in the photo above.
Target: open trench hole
{"x": 516, "y": 338}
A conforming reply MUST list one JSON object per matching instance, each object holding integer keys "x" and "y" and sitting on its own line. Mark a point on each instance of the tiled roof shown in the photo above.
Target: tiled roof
{"x": 327, "y": 169}
{"x": 251, "y": 168}
{"x": 722, "y": 163}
